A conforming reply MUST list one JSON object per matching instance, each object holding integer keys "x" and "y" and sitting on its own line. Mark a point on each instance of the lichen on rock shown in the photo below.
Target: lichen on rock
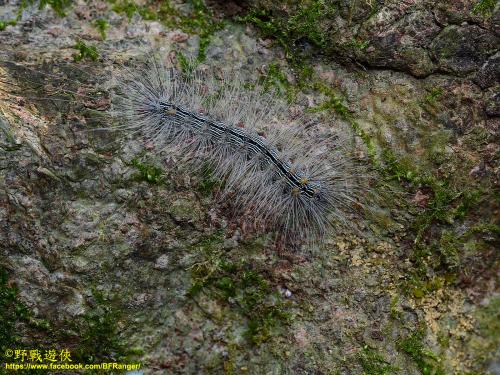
{"x": 118, "y": 255}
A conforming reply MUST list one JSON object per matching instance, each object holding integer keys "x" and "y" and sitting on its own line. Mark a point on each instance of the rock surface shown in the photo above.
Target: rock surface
{"x": 120, "y": 256}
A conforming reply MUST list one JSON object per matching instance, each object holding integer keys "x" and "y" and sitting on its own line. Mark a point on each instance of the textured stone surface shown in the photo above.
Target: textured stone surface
{"x": 83, "y": 235}
{"x": 463, "y": 49}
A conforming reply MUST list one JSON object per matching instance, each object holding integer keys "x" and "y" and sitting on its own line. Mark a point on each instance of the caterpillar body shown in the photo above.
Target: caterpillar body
{"x": 238, "y": 139}
{"x": 294, "y": 178}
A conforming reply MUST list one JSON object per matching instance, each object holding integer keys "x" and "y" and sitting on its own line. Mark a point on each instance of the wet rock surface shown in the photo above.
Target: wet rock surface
{"x": 119, "y": 255}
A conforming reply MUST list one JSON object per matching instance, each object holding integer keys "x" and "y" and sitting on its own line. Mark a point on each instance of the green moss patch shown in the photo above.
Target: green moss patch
{"x": 98, "y": 333}
{"x": 85, "y": 52}
{"x": 4, "y": 24}
{"x": 196, "y": 19}
{"x": 426, "y": 361}
{"x": 303, "y": 24}
{"x": 373, "y": 363}
{"x": 58, "y": 6}
{"x": 242, "y": 288}
{"x": 101, "y": 25}
{"x": 484, "y": 7}
{"x": 147, "y": 172}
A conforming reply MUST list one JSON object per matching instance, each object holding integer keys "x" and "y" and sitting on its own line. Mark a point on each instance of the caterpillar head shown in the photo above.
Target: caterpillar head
{"x": 313, "y": 190}
{"x": 309, "y": 189}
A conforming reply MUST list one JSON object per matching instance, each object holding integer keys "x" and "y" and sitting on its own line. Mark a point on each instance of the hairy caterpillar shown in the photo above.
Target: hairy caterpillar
{"x": 294, "y": 178}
